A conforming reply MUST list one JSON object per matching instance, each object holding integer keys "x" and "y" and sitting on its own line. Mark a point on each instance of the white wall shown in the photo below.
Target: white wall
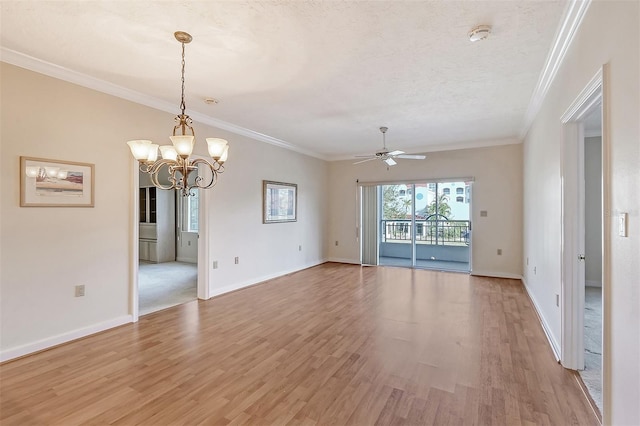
{"x": 593, "y": 210}
{"x": 497, "y": 189}
{"x": 608, "y": 34}
{"x": 45, "y": 252}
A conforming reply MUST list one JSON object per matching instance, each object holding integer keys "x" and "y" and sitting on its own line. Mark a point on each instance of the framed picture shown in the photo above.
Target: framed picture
{"x": 279, "y": 202}
{"x": 55, "y": 183}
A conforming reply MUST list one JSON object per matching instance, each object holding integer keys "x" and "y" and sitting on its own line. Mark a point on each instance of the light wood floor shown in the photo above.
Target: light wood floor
{"x": 335, "y": 344}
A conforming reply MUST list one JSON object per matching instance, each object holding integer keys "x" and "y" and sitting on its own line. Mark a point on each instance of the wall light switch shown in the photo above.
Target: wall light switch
{"x": 622, "y": 224}
{"x": 215, "y": 264}
{"x": 483, "y": 213}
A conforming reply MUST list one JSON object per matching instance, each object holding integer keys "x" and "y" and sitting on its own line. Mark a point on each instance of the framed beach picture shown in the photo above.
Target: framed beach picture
{"x": 279, "y": 202}
{"x": 55, "y": 183}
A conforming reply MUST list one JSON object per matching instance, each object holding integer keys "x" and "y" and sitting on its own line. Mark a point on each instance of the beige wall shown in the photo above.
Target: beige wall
{"x": 45, "y": 252}
{"x": 497, "y": 188}
{"x": 608, "y": 34}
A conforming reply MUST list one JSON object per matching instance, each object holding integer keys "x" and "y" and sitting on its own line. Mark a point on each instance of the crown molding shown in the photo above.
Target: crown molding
{"x": 443, "y": 147}
{"x": 571, "y": 20}
{"x": 52, "y": 70}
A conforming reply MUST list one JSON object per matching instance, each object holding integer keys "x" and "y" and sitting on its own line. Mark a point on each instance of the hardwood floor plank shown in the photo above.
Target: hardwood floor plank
{"x": 331, "y": 345}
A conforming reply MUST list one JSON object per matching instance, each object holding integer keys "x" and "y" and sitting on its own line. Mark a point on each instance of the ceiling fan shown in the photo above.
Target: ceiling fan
{"x": 388, "y": 156}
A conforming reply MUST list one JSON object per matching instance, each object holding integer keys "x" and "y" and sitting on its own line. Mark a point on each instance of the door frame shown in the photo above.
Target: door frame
{"x": 204, "y": 291}
{"x": 594, "y": 95}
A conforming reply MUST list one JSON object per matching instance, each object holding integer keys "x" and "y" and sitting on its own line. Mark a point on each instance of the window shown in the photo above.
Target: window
{"x": 459, "y": 190}
{"x": 460, "y": 199}
{"x": 446, "y": 191}
{"x": 190, "y": 206}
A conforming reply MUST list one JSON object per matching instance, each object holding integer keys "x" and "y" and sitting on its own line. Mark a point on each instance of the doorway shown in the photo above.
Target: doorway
{"x": 585, "y": 198}
{"x": 167, "y": 247}
{"x": 592, "y": 372}
{"x": 425, "y": 225}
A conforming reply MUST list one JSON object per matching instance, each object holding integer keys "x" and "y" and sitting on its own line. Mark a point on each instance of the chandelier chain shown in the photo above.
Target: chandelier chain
{"x": 182, "y": 104}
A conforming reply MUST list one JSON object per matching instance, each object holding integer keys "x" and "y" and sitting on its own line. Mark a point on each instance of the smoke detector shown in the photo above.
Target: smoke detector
{"x": 480, "y": 32}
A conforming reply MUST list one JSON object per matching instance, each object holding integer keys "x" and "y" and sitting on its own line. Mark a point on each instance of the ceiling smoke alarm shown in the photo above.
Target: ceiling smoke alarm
{"x": 480, "y": 32}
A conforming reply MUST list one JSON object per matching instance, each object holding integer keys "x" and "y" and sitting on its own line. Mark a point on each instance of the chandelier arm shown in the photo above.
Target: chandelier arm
{"x": 199, "y": 181}
{"x": 144, "y": 167}
{"x": 154, "y": 171}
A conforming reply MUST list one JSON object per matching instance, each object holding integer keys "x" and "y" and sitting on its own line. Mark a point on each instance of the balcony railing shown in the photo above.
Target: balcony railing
{"x": 436, "y": 232}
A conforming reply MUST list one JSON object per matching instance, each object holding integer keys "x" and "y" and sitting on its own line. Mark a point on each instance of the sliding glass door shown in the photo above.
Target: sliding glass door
{"x": 425, "y": 225}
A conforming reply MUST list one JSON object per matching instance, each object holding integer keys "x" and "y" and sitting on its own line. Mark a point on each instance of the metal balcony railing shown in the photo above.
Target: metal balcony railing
{"x": 436, "y": 232}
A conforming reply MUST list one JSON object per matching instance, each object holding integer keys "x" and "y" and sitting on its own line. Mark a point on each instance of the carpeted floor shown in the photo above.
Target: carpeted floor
{"x": 592, "y": 373}
{"x": 162, "y": 285}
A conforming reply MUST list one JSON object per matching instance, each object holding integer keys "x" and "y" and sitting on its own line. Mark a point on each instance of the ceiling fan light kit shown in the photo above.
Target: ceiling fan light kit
{"x": 388, "y": 156}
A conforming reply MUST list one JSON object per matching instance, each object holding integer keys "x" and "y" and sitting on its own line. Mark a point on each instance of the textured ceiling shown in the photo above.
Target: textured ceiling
{"x": 322, "y": 76}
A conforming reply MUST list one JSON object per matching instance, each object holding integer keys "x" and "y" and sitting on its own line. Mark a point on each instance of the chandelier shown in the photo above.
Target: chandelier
{"x": 176, "y": 158}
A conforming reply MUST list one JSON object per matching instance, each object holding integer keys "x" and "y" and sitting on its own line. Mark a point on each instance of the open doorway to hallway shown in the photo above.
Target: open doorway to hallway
{"x": 586, "y": 176}
{"x": 593, "y": 218}
{"x": 425, "y": 225}
{"x": 168, "y": 248}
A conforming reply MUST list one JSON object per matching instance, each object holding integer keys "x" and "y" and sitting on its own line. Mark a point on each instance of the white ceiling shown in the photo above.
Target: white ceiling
{"x": 322, "y": 76}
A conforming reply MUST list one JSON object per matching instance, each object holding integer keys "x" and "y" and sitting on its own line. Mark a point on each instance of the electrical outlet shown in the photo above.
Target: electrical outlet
{"x": 80, "y": 290}
{"x": 499, "y": 252}
{"x": 483, "y": 213}
{"x": 215, "y": 264}
{"x": 237, "y": 260}
{"x": 299, "y": 248}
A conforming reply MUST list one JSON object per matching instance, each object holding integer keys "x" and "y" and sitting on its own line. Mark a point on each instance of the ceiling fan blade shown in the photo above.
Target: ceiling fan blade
{"x": 394, "y": 153}
{"x": 364, "y": 156}
{"x": 412, "y": 156}
{"x": 390, "y": 162}
{"x": 364, "y": 161}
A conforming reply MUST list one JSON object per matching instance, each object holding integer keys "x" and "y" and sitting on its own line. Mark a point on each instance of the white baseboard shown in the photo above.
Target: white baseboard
{"x": 253, "y": 281}
{"x": 186, "y": 259}
{"x": 59, "y": 339}
{"x": 555, "y": 346}
{"x": 496, "y": 274}
{"x": 590, "y": 283}
{"x": 342, "y": 260}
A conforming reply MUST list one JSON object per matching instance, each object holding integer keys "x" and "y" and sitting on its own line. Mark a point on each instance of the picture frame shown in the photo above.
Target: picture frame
{"x": 56, "y": 183}
{"x": 279, "y": 202}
